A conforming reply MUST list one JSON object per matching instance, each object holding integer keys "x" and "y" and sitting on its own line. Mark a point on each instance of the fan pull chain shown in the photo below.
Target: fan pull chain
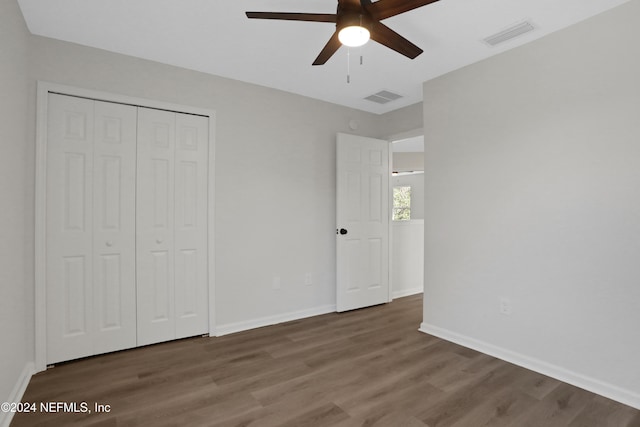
{"x": 348, "y": 65}
{"x": 361, "y": 47}
{"x": 349, "y": 62}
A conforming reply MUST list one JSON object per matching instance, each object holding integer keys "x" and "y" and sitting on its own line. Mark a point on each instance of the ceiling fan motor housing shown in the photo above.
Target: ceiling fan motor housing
{"x": 347, "y": 15}
{"x": 354, "y": 20}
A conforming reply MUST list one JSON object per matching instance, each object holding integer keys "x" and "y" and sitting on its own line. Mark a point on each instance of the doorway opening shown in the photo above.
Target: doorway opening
{"x": 407, "y": 219}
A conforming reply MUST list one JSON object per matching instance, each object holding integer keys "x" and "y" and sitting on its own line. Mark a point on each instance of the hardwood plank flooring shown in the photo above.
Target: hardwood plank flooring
{"x": 368, "y": 367}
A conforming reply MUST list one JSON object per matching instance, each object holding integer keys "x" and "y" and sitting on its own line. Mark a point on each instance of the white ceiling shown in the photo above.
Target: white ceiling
{"x": 214, "y": 36}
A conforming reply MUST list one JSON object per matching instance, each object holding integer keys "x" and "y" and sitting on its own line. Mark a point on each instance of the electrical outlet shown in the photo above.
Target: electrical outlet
{"x": 308, "y": 279}
{"x": 276, "y": 282}
{"x": 505, "y": 306}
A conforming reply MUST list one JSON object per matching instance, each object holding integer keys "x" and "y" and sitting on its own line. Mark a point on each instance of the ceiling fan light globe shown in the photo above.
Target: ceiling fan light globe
{"x": 354, "y": 36}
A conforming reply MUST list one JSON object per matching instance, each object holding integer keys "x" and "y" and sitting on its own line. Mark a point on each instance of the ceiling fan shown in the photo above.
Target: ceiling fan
{"x": 357, "y": 21}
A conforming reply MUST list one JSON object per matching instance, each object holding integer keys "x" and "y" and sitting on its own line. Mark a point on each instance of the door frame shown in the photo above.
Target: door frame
{"x": 391, "y": 139}
{"x": 40, "y": 298}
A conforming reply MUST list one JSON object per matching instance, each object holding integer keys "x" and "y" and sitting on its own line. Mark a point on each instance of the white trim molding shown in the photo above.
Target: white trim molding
{"x": 407, "y": 292}
{"x": 18, "y": 391}
{"x": 231, "y": 328}
{"x": 627, "y": 397}
{"x": 44, "y": 89}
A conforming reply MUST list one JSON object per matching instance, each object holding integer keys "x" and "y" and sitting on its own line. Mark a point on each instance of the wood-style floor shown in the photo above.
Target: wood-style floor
{"x": 368, "y": 367}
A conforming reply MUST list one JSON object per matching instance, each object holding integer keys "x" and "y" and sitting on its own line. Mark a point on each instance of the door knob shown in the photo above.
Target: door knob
{"x": 343, "y": 231}
{"x": 109, "y": 243}
{"x": 159, "y": 240}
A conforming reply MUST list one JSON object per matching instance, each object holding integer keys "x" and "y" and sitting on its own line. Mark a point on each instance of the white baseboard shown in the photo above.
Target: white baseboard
{"x": 17, "y": 392}
{"x": 231, "y": 328}
{"x": 407, "y": 292}
{"x": 602, "y": 388}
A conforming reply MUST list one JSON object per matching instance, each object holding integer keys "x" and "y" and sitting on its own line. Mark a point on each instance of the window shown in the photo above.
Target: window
{"x": 402, "y": 203}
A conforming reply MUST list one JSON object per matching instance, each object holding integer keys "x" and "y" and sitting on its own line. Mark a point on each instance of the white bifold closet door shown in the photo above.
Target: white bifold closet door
{"x": 171, "y": 226}
{"x": 90, "y": 238}
{"x": 126, "y": 227}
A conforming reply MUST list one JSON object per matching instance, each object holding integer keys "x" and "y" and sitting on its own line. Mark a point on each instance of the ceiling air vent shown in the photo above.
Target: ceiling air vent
{"x": 383, "y": 97}
{"x": 509, "y": 33}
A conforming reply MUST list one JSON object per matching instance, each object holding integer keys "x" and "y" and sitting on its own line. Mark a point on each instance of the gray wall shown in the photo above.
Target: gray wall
{"x": 532, "y": 163}
{"x": 16, "y": 263}
{"x": 407, "y": 257}
{"x": 408, "y": 161}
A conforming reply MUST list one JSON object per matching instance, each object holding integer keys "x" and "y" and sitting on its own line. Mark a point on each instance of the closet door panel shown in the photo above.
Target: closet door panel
{"x": 191, "y": 288}
{"x": 114, "y": 226}
{"x": 69, "y": 225}
{"x": 155, "y": 226}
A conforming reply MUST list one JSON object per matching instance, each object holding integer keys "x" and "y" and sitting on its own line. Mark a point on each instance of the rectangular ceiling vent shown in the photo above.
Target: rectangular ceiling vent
{"x": 383, "y": 97}
{"x": 510, "y": 33}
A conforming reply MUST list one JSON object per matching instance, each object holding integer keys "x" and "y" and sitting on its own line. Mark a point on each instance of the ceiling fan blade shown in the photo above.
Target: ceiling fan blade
{"x": 329, "y": 49}
{"x": 386, "y": 36}
{"x": 387, "y": 8}
{"x": 314, "y": 17}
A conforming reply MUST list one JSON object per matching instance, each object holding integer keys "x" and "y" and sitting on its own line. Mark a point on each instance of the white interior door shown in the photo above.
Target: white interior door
{"x": 90, "y": 279}
{"x": 362, "y": 222}
{"x": 155, "y": 226}
{"x": 123, "y": 229}
{"x": 69, "y": 267}
{"x": 114, "y": 239}
{"x": 191, "y": 296}
{"x": 171, "y": 226}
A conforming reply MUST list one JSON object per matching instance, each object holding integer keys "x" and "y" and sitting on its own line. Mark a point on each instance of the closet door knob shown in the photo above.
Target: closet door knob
{"x": 109, "y": 243}
{"x": 159, "y": 240}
